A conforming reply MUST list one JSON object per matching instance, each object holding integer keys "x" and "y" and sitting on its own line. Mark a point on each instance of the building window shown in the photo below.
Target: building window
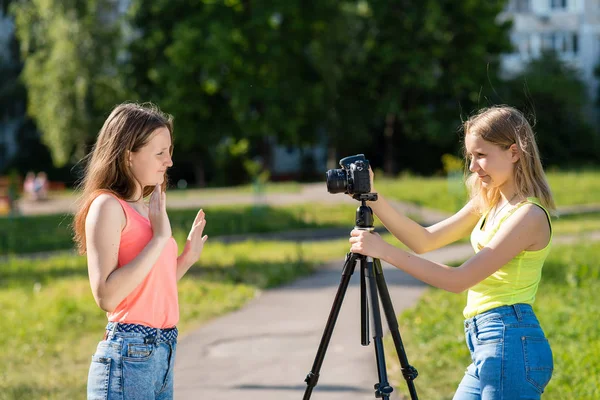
{"x": 522, "y": 44}
{"x": 521, "y": 6}
{"x": 548, "y": 41}
{"x": 558, "y": 4}
{"x": 561, "y": 42}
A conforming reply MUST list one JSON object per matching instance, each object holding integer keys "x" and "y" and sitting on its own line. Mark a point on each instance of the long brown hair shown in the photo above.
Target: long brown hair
{"x": 128, "y": 128}
{"x": 505, "y": 126}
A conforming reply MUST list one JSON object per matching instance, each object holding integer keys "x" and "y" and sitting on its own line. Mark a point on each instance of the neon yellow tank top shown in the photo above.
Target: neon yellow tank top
{"x": 517, "y": 281}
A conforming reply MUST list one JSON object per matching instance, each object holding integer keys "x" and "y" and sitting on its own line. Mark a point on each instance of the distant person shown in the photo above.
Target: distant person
{"x": 509, "y": 223}
{"x": 29, "y": 186}
{"x": 14, "y": 185}
{"x": 132, "y": 257}
{"x": 40, "y": 186}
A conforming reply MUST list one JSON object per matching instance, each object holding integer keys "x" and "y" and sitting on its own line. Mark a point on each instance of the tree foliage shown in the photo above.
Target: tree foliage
{"x": 239, "y": 69}
{"x": 69, "y": 49}
{"x": 553, "y": 94}
{"x": 425, "y": 62}
{"x": 395, "y": 76}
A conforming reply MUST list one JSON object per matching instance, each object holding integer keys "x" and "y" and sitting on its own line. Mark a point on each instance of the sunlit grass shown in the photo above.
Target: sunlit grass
{"x": 448, "y": 194}
{"x": 433, "y": 335}
{"x": 50, "y": 323}
{"x": 52, "y": 232}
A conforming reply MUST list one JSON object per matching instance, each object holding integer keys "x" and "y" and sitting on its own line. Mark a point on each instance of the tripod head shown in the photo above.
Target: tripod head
{"x": 364, "y": 213}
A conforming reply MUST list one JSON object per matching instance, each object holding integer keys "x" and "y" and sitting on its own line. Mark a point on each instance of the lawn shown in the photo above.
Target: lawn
{"x": 448, "y": 194}
{"x": 50, "y": 323}
{"x": 52, "y": 232}
{"x": 433, "y": 335}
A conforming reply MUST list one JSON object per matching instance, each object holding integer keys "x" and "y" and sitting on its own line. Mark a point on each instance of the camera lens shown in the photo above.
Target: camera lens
{"x": 336, "y": 181}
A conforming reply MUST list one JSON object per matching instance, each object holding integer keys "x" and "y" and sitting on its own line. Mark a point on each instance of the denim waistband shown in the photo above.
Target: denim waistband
{"x": 159, "y": 335}
{"x": 517, "y": 311}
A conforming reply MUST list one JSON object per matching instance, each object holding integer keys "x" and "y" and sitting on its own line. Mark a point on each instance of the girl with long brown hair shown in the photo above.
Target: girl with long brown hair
{"x": 133, "y": 260}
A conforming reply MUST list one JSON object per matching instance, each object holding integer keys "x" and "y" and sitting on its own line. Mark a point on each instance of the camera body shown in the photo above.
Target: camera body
{"x": 352, "y": 178}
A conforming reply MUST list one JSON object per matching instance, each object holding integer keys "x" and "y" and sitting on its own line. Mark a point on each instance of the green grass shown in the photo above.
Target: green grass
{"x": 448, "y": 194}
{"x": 50, "y": 323}
{"x": 568, "y": 311}
{"x": 576, "y": 224}
{"x": 52, "y": 232}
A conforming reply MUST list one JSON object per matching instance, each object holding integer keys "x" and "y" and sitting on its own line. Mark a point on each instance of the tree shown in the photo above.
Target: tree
{"x": 69, "y": 48}
{"x": 553, "y": 94}
{"x": 12, "y": 93}
{"x": 239, "y": 69}
{"x": 424, "y": 62}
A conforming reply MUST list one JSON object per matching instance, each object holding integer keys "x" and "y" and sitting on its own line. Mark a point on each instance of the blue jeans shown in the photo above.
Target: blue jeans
{"x": 131, "y": 366}
{"x": 511, "y": 356}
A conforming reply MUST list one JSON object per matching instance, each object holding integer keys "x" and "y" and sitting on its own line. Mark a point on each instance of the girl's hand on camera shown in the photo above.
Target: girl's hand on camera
{"x": 157, "y": 213}
{"x": 372, "y": 176}
{"x": 195, "y": 240}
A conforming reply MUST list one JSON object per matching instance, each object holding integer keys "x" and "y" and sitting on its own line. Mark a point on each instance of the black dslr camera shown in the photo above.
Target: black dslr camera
{"x": 352, "y": 178}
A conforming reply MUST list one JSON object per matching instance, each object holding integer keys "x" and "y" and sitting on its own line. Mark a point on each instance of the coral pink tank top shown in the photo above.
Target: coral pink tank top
{"x": 154, "y": 302}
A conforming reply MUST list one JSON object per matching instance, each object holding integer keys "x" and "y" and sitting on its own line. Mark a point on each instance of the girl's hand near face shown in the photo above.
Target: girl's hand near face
{"x": 157, "y": 214}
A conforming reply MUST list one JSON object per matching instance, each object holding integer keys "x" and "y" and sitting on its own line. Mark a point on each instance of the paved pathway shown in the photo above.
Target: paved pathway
{"x": 265, "y": 350}
{"x": 313, "y": 192}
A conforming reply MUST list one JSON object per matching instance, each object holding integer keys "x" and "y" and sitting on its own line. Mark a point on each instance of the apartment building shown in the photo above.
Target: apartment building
{"x": 570, "y": 27}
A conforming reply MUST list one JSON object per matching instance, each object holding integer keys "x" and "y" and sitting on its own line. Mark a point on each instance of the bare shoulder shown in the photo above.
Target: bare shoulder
{"x": 106, "y": 208}
{"x": 532, "y": 214}
{"x": 534, "y": 222}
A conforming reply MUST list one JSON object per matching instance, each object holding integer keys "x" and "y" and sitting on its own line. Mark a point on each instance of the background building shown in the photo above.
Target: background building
{"x": 570, "y": 27}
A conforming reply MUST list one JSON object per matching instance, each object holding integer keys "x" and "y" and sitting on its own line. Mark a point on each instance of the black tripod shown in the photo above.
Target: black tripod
{"x": 371, "y": 281}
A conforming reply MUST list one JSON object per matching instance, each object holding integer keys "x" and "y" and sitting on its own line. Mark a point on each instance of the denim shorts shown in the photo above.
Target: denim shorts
{"x": 511, "y": 356}
{"x": 133, "y": 365}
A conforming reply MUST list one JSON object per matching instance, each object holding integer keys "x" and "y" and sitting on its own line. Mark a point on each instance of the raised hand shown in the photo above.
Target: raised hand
{"x": 157, "y": 214}
{"x": 195, "y": 241}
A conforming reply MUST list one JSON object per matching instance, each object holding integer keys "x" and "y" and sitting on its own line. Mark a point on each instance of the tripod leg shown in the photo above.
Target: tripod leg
{"x": 383, "y": 388}
{"x": 364, "y": 305}
{"x": 313, "y": 375}
{"x": 408, "y": 371}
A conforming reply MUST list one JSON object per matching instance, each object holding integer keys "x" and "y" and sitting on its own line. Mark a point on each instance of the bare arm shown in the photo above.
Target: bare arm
{"x": 103, "y": 225}
{"x": 423, "y": 239}
{"x": 527, "y": 228}
{"x": 183, "y": 264}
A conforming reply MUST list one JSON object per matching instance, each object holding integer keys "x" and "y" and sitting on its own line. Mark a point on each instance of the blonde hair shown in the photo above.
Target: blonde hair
{"x": 505, "y": 126}
{"x": 129, "y": 127}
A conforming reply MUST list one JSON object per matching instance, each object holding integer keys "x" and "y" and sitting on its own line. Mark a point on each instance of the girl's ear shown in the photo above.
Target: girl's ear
{"x": 515, "y": 154}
